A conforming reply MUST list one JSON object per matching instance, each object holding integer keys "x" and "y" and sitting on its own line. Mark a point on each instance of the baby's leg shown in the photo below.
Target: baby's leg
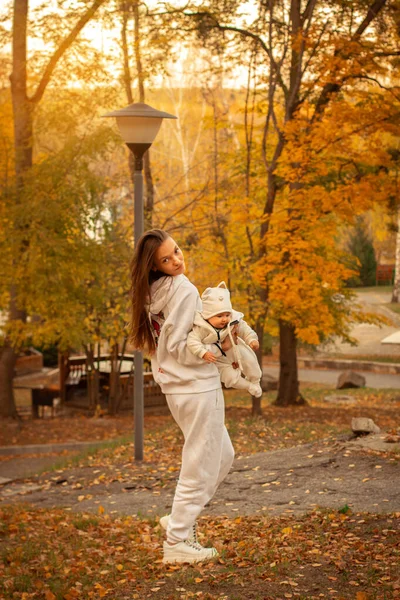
{"x": 232, "y": 378}
{"x": 251, "y": 368}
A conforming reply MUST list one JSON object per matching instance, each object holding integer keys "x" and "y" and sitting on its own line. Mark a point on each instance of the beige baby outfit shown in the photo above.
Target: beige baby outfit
{"x": 215, "y": 301}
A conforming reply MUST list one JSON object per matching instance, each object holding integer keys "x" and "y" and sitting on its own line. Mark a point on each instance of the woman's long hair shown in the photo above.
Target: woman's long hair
{"x": 142, "y": 276}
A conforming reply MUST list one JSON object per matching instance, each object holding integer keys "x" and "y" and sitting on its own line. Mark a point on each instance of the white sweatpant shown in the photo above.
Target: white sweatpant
{"x": 231, "y": 377}
{"x": 207, "y": 456}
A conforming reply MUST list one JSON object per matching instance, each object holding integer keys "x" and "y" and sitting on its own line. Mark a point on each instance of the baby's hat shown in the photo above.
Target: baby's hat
{"x": 216, "y": 300}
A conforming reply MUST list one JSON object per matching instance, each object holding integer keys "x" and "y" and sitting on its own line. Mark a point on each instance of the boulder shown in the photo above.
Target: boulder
{"x": 350, "y": 379}
{"x": 268, "y": 383}
{"x": 362, "y": 425}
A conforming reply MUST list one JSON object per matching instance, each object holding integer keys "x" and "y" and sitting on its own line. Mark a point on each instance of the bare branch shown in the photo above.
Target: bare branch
{"x": 63, "y": 47}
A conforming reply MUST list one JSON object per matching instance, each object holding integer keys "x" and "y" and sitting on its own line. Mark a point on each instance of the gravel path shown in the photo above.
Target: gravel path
{"x": 289, "y": 481}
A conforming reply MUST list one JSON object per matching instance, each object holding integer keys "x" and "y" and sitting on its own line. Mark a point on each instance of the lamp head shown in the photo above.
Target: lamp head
{"x": 139, "y": 123}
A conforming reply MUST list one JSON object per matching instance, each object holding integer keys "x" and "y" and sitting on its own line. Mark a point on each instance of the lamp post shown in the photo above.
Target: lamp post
{"x": 139, "y": 124}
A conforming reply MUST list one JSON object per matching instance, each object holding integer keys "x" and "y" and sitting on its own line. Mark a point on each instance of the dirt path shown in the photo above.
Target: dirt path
{"x": 289, "y": 481}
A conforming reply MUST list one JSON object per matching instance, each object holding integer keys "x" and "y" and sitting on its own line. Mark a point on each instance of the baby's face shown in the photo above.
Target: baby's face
{"x": 221, "y": 320}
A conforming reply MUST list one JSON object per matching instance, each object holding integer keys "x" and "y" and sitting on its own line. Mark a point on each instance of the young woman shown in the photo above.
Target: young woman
{"x": 164, "y": 303}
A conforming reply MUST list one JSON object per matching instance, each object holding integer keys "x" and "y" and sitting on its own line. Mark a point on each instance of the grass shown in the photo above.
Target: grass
{"x": 375, "y": 288}
{"x": 395, "y": 307}
{"x": 392, "y": 359}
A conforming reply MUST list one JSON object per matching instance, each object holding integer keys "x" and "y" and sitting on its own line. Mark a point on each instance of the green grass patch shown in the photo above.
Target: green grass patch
{"x": 375, "y": 288}
{"x": 105, "y": 449}
{"x": 388, "y": 359}
{"x": 394, "y": 306}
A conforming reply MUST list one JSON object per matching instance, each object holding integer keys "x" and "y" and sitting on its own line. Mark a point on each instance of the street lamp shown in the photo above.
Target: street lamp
{"x": 139, "y": 124}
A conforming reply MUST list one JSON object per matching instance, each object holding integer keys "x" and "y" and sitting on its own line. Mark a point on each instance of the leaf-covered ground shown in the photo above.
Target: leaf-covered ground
{"x": 58, "y": 555}
{"x": 55, "y": 554}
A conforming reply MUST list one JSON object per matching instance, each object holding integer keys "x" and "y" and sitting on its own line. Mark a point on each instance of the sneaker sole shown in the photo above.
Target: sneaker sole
{"x": 182, "y": 558}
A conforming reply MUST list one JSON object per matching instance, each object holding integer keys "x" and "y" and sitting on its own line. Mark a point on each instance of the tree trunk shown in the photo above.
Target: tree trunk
{"x": 127, "y": 8}
{"x": 22, "y": 110}
{"x": 256, "y": 409}
{"x": 92, "y": 377}
{"x": 396, "y": 286}
{"x": 148, "y": 178}
{"x": 288, "y": 392}
{"x": 7, "y": 364}
{"x": 114, "y": 381}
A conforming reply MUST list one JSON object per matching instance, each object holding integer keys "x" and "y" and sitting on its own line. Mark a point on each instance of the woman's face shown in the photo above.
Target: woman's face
{"x": 169, "y": 259}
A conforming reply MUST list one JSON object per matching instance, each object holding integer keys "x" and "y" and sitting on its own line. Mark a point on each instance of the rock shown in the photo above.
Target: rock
{"x": 350, "y": 379}
{"x": 5, "y": 480}
{"x": 268, "y": 383}
{"x": 336, "y": 399}
{"x": 363, "y": 425}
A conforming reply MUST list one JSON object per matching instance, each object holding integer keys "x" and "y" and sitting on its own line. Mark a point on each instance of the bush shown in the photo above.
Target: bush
{"x": 363, "y": 259}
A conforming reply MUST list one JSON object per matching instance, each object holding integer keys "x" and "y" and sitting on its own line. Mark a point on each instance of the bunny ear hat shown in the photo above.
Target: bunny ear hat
{"x": 216, "y": 300}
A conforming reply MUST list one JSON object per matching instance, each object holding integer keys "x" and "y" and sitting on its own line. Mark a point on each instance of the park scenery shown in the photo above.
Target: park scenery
{"x": 280, "y": 176}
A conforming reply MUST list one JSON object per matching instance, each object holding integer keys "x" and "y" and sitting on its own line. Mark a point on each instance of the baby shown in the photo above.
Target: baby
{"x": 212, "y": 325}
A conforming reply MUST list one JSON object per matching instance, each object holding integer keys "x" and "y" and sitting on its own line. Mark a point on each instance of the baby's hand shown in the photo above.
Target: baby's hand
{"x": 254, "y": 345}
{"x": 209, "y": 357}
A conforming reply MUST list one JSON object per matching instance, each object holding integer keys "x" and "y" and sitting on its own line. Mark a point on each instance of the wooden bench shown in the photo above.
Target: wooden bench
{"x": 44, "y": 390}
{"x": 44, "y": 396}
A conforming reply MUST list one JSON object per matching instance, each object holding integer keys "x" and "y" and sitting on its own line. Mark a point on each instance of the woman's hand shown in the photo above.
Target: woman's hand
{"x": 209, "y": 357}
{"x": 254, "y": 345}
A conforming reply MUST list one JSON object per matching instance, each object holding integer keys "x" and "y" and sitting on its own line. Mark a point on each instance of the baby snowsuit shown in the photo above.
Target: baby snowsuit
{"x": 216, "y": 301}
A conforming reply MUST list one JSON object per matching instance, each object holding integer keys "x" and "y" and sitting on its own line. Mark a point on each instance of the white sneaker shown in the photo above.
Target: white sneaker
{"x": 255, "y": 389}
{"x": 187, "y": 552}
{"x": 192, "y": 537}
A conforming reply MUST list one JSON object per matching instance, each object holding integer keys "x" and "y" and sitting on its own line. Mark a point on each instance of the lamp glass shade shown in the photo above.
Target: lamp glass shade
{"x": 138, "y": 130}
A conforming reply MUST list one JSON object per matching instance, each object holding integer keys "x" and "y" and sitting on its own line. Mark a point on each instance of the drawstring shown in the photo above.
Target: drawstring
{"x": 219, "y": 348}
{"x": 235, "y": 350}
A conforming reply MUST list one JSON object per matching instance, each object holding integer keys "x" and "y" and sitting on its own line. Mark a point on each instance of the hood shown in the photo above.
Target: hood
{"x": 162, "y": 290}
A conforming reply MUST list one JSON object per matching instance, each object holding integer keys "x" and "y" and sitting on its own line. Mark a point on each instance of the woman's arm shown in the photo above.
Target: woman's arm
{"x": 178, "y": 325}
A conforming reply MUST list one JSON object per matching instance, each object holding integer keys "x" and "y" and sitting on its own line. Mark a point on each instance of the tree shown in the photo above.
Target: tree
{"x": 396, "y": 286}
{"x": 312, "y": 66}
{"x": 24, "y": 103}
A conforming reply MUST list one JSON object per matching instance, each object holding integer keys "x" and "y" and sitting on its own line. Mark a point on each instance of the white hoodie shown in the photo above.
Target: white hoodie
{"x": 173, "y": 305}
